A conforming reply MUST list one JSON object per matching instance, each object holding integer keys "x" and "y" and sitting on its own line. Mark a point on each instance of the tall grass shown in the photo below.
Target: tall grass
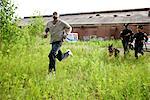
{"x": 89, "y": 74}
{"x": 116, "y": 43}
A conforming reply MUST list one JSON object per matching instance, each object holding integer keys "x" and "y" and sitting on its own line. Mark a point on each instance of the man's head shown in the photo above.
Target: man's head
{"x": 139, "y": 28}
{"x": 55, "y": 15}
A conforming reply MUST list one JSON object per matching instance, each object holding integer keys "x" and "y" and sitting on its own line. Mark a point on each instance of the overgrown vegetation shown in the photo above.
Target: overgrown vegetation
{"x": 89, "y": 74}
{"x": 8, "y": 27}
{"x": 10, "y": 33}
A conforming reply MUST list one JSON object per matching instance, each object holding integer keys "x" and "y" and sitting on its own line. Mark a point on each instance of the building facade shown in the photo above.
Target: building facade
{"x": 103, "y": 24}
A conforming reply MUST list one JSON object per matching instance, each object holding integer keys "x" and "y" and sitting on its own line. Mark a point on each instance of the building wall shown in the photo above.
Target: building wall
{"x": 106, "y": 31}
{"x": 99, "y": 31}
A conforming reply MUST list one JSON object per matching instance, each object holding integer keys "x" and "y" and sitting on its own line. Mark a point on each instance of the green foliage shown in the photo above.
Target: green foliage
{"x": 36, "y": 27}
{"x": 9, "y": 29}
{"x": 90, "y": 74}
{"x": 116, "y": 43}
{"x": 32, "y": 31}
{"x": 11, "y": 34}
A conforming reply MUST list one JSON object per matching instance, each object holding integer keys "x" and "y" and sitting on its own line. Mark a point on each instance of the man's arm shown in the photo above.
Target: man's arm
{"x": 129, "y": 33}
{"x": 66, "y": 32}
{"x": 145, "y": 36}
{"x": 46, "y": 32}
{"x": 121, "y": 35}
{"x": 67, "y": 29}
{"x": 133, "y": 37}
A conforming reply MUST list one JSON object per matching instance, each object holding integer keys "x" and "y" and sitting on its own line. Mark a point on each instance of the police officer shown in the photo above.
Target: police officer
{"x": 140, "y": 37}
{"x": 125, "y": 36}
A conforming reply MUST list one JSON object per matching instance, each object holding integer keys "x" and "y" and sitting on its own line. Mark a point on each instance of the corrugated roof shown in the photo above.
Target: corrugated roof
{"x": 104, "y": 17}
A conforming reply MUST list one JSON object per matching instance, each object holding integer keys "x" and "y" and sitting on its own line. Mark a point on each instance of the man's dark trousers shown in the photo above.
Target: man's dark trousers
{"x": 125, "y": 45}
{"x": 138, "y": 49}
{"x": 56, "y": 53}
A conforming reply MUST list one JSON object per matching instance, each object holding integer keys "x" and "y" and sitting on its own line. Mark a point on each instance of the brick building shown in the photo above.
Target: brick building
{"x": 103, "y": 24}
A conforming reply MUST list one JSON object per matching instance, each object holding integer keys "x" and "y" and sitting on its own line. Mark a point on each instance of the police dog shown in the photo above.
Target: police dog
{"x": 113, "y": 51}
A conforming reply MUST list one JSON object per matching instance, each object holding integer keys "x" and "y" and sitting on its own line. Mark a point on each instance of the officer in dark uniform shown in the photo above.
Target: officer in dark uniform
{"x": 125, "y": 36}
{"x": 140, "y": 38}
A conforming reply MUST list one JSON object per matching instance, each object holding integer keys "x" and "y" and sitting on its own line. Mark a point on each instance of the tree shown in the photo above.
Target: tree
{"x": 8, "y": 26}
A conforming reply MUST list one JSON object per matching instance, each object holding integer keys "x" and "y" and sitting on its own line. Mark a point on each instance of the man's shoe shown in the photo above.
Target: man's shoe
{"x": 69, "y": 52}
{"x": 142, "y": 53}
{"x": 49, "y": 76}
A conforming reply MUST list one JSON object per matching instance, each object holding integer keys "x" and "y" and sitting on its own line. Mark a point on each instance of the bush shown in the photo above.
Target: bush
{"x": 9, "y": 30}
{"x": 36, "y": 26}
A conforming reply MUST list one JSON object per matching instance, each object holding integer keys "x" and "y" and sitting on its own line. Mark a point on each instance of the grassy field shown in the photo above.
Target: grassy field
{"x": 89, "y": 74}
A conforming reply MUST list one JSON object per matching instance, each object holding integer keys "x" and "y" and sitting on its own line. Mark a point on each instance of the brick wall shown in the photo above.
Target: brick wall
{"x": 106, "y": 31}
